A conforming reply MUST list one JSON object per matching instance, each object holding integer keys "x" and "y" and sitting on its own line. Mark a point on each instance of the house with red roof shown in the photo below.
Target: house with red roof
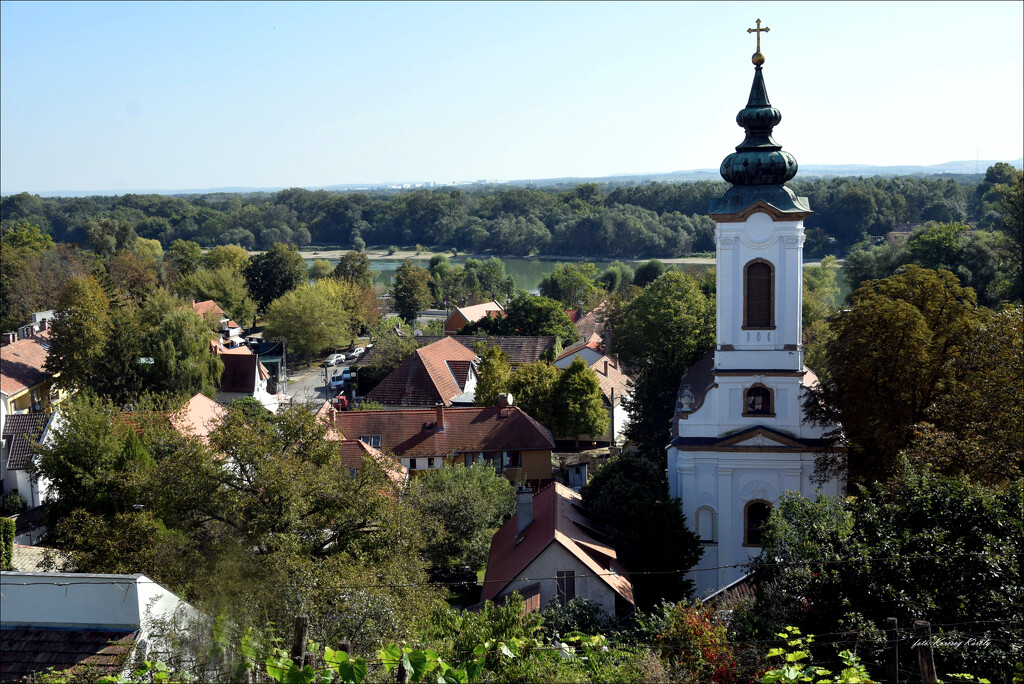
{"x": 198, "y": 417}
{"x": 21, "y": 432}
{"x": 25, "y": 385}
{"x": 426, "y": 439}
{"x": 230, "y": 331}
{"x": 245, "y": 376}
{"x": 551, "y": 550}
{"x": 464, "y": 315}
{"x": 440, "y": 373}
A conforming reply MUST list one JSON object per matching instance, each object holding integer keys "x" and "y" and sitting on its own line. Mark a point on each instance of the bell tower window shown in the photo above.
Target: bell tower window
{"x": 759, "y": 295}
{"x": 758, "y": 401}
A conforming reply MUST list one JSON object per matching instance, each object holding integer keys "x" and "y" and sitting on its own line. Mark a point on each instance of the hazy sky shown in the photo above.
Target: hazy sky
{"x": 97, "y": 96}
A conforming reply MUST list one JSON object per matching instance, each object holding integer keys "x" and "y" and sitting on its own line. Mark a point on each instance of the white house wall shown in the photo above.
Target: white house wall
{"x": 557, "y": 558}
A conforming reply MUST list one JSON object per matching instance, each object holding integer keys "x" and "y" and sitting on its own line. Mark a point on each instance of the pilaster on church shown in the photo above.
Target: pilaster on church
{"x": 739, "y": 435}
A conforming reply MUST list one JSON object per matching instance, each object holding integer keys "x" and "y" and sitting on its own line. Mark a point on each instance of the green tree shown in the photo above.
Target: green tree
{"x": 314, "y": 318}
{"x": 354, "y": 266}
{"x": 820, "y": 290}
{"x": 648, "y": 272}
{"x": 494, "y": 372}
{"x": 108, "y": 236}
{"x": 532, "y": 386}
{"x": 628, "y": 497}
{"x": 392, "y": 344}
{"x": 937, "y": 245}
{"x": 921, "y": 547}
{"x": 178, "y": 341}
{"x": 27, "y": 236}
{"x": 467, "y": 505}
{"x": 273, "y": 273}
{"x": 528, "y": 315}
{"x": 320, "y": 269}
{"x": 232, "y": 256}
{"x": 659, "y": 335}
{"x": 79, "y": 331}
{"x": 411, "y": 290}
{"x": 977, "y": 429}
{"x": 118, "y": 374}
{"x": 886, "y": 365}
{"x": 574, "y": 285}
{"x": 185, "y": 255}
{"x": 579, "y": 402}
{"x": 223, "y": 285}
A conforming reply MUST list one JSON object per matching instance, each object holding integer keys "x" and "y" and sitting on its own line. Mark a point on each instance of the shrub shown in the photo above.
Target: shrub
{"x": 13, "y": 503}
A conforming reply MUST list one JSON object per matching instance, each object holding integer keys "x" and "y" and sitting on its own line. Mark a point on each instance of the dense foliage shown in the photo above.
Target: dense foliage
{"x": 923, "y": 547}
{"x": 608, "y": 220}
{"x": 629, "y": 498}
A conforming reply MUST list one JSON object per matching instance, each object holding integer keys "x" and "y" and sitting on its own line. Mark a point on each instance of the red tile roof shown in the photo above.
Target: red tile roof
{"x": 594, "y": 342}
{"x": 23, "y": 363}
{"x": 209, "y": 306}
{"x": 593, "y": 321}
{"x": 558, "y": 517}
{"x": 518, "y": 349}
{"x": 199, "y": 416}
{"x": 353, "y": 451}
{"x": 477, "y": 311}
{"x": 93, "y": 651}
{"x": 426, "y": 378}
{"x": 610, "y": 376}
{"x": 413, "y": 432}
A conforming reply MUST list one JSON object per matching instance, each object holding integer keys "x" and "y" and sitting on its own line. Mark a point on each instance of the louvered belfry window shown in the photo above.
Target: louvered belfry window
{"x": 758, "y": 296}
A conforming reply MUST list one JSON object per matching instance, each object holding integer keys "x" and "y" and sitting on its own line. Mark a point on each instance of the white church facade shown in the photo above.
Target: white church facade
{"x": 739, "y": 439}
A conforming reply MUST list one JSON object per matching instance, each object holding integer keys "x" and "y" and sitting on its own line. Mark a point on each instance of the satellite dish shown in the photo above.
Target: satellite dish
{"x": 509, "y": 398}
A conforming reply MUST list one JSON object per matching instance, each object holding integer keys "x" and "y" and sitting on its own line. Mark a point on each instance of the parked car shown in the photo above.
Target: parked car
{"x": 340, "y": 402}
{"x": 357, "y": 352}
{"x": 334, "y": 359}
{"x": 340, "y": 378}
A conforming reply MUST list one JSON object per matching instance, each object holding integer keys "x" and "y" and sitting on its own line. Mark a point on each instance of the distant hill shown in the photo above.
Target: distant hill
{"x": 806, "y": 171}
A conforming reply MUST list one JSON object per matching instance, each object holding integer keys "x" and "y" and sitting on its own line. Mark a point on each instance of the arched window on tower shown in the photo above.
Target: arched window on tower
{"x": 759, "y": 295}
{"x": 755, "y": 515}
{"x": 758, "y": 401}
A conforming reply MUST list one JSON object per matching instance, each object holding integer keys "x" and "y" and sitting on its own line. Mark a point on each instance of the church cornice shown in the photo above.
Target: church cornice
{"x": 760, "y": 206}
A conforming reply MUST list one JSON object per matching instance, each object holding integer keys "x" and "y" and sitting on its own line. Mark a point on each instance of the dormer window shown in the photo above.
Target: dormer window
{"x": 759, "y": 295}
{"x": 371, "y": 440}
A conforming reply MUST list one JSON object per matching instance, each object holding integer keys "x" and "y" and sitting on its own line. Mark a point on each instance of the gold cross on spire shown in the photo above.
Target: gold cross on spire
{"x": 758, "y": 58}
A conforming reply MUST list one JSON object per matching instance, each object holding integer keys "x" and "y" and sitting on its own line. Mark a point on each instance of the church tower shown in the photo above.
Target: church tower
{"x": 739, "y": 436}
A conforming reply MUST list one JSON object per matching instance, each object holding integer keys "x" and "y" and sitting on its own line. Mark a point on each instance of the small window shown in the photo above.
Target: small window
{"x": 758, "y": 401}
{"x": 430, "y": 462}
{"x": 566, "y": 581}
{"x": 755, "y": 515}
{"x": 372, "y": 440}
{"x": 412, "y": 464}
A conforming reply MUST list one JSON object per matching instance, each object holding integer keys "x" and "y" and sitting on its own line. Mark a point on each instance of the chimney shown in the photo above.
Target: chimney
{"x": 10, "y": 338}
{"x": 439, "y": 420}
{"x": 524, "y": 508}
{"x": 44, "y": 325}
{"x": 503, "y": 401}
{"x": 606, "y": 367}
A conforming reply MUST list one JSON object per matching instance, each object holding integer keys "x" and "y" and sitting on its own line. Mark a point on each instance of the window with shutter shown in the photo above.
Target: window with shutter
{"x": 758, "y": 296}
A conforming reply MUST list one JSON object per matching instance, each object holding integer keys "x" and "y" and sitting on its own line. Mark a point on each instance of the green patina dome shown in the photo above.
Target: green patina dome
{"x": 759, "y": 167}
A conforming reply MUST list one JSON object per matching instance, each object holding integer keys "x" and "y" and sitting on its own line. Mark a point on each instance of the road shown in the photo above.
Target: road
{"x": 306, "y": 385}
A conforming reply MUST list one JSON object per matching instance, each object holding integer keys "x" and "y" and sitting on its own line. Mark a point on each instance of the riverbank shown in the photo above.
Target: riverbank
{"x": 382, "y": 255}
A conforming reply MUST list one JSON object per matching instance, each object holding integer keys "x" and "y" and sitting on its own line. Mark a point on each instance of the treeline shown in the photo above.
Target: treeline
{"x": 592, "y": 220}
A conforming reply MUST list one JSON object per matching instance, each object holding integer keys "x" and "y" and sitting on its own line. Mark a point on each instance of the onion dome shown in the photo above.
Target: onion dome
{"x": 759, "y": 167}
